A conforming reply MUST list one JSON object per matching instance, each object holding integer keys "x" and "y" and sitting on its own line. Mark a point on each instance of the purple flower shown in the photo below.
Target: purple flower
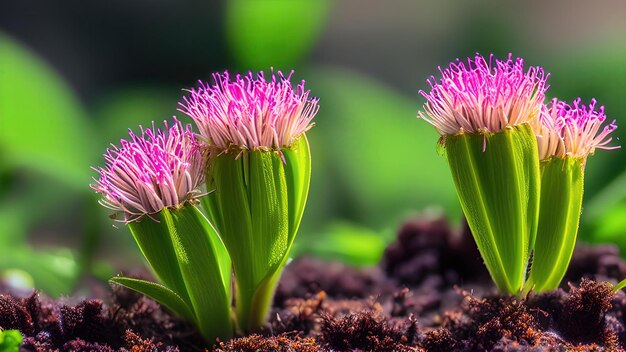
{"x": 249, "y": 112}
{"x": 484, "y": 96}
{"x": 151, "y": 171}
{"x": 572, "y": 130}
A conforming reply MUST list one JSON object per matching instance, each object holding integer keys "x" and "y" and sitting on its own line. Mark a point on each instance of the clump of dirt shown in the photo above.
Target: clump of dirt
{"x": 260, "y": 343}
{"x": 430, "y": 292}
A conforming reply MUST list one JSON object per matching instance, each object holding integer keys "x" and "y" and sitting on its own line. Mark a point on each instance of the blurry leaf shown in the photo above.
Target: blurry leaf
{"x": 273, "y": 33}
{"x": 609, "y": 196}
{"x": 130, "y": 107}
{"x": 54, "y": 273}
{"x": 10, "y": 340}
{"x": 346, "y": 242}
{"x": 610, "y": 226}
{"x": 381, "y": 160}
{"x": 620, "y": 285}
{"x": 42, "y": 125}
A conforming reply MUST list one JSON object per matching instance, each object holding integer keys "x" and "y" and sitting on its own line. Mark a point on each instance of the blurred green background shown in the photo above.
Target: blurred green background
{"x": 75, "y": 75}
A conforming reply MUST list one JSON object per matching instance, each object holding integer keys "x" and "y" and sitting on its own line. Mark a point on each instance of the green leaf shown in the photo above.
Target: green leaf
{"x": 159, "y": 293}
{"x": 154, "y": 240}
{"x": 205, "y": 274}
{"x": 620, "y": 285}
{"x": 257, "y": 201}
{"x": 276, "y": 33}
{"x": 269, "y": 210}
{"x": 10, "y": 340}
{"x": 298, "y": 177}
{"x": 229, "y": 208}
{"x": 42, "y": 125}
{"x": 497, "y": 181}
{"x": 561, "y": 202}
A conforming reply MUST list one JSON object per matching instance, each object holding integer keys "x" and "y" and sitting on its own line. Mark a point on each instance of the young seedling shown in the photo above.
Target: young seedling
{"x": 566, "y": 135}
{"x": 483, "y": 112}
{"x": 153, "y": 181}
{"x": 258, "y": 176}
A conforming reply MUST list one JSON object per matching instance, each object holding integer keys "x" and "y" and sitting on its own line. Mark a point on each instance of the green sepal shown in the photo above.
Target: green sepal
{"x": 190, "y": 260}
{"x": 562, "y": 181}
{"x": 205, "y": 269}
{"x": 154, "y": 241}
{"x": 497, "y": 180}
{"x": 298, "y": 176}
{"x": 256, "y": 201}
{"x": 159, "y": 293}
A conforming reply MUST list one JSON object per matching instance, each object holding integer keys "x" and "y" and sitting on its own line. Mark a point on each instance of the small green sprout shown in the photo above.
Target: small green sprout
{"x": 518, "y": 165}
{"x": 153, "y": 180}
{"x": 566, "y": 134}
{"x": 483, "y": 111}
{"x": 253, "y": 156}
{"x": 258, "y": 177}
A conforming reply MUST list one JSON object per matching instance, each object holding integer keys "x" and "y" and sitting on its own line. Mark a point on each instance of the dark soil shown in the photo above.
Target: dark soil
{"x": 429, "y": 293}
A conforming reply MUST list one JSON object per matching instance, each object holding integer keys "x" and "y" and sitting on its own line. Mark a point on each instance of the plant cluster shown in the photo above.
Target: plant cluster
{"x": 218, "y": 211}
{"x": 517, "y": 163}
{"x": 227, "y": 202}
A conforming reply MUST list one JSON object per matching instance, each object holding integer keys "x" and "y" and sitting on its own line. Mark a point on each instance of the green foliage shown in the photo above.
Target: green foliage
{"x": 159, "y": 293}
{"x": 46, "y": 145}
{"x": 42, "y": 125}
{"x": 186, "y": 254}
{"x": 497, "y": 180}
{"x": 346, "y": 242}
{"x": 273, "y": 33}
{"x": 620, "y": 285}
{"x": 10, "y": 340}
{"x": 373, "y": 162}
{"x": 561, "y": 202}
{"x": 256, "y": 202}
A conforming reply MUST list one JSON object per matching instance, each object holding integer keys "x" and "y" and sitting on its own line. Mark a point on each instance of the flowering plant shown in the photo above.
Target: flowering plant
{"x": 253, "y": 157}
{"x": 566, "y": 135}
{"x": 517, "y": 164}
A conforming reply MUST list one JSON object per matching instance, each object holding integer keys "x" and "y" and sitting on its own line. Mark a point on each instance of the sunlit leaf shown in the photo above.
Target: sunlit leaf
{"x": 497, "y": 179}
{"x": 205, "y": 273}
{"x": 159, "y": 293}
{"x": 559, "y": 215}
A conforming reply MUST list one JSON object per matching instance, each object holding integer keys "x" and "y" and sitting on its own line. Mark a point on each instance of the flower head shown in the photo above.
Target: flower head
{"x": 484, "y": 96}
{"x": 151, "y": 171}
{"x": 572, "y": 130}
{"x": 249, "y": 112}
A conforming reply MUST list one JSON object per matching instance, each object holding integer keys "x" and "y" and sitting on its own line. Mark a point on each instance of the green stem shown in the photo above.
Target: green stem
{"x": 253, "y": 306}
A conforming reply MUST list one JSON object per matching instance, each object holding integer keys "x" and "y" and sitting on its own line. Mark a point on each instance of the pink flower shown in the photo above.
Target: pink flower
{"x": 572, "y": 130}
{"x": 152, "y": 171}
{"x": 249, "y": 112}
{"x": 484, "y": 96}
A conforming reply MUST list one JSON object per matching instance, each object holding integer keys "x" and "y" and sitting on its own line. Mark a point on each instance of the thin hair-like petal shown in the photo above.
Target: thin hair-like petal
{"x": 150, "y": 171}
{"x": 250, "y": 112}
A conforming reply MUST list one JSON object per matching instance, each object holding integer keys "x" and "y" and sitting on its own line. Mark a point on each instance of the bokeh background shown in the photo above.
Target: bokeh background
{"x": 75, "y": 75}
